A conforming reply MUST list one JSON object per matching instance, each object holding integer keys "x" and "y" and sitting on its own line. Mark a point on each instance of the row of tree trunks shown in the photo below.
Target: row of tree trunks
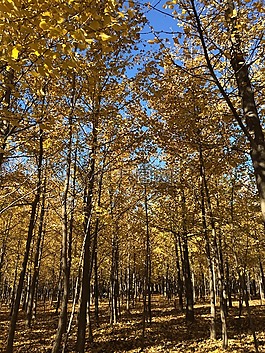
{"x": 168, "y": 286}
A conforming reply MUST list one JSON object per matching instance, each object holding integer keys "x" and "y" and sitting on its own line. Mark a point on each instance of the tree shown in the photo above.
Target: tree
{"x": 230, "y": 21}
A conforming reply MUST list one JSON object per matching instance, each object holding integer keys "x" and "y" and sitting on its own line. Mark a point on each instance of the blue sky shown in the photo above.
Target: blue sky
{"x": 162, "y": 23}
{"x": 160, "y": 18}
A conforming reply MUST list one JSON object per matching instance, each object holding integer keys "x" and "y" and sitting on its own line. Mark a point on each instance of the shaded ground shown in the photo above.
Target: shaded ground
{"x": 168, "y": 332}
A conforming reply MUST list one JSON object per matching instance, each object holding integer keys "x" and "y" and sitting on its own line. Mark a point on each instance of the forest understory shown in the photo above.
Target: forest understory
{"x": 168, "y": 331}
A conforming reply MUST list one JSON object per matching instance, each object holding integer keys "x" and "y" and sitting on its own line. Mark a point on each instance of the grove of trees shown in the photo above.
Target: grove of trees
{"x": 132, "y": 161}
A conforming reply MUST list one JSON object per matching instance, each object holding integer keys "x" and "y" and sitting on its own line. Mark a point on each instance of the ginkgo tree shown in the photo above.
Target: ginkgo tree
{"x": 41, "y": 44}
{"x": 227, "y": 42}
{"x": 45, "y": 40}
{"x": 198, "y": 131}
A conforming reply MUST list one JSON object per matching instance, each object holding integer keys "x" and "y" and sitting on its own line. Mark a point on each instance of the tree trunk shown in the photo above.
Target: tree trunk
{"x": 128, "y": 280}
{"x": 223, "y": 303}
{"x": 209, "y": 256}
{"x": 66, "y": 246}
{"x": 262, "y": 295}
{"x": 3, "y": 247}
{"x": 134, "y": 281}
{"x": 96, "y": 291}
{"x": 13, "y": 294}
{"x": 179, "y": 274}
{"x": 148, "y": 314}
{"x": 228, "y": 284}
{"x": 84, "y": 295}
{"x": 36, "y": 260}
{"x": 11, "y": 334}
{"x": 246, "y": 299}
{"x": 186, "y": 263}
{"x": 250, "y": 112}
{"x": 210, "y": 270}
{"x": 6, "y": 129}
{"x": 75, "y": 285}
{"x": 95, "y": 247}
{"x": 252, "y": 127}
{"x": 88, "y": 256}
{"x": 114, "y": 273}
{"x": 217, "y": 250}
{"x": 114, "y": 281}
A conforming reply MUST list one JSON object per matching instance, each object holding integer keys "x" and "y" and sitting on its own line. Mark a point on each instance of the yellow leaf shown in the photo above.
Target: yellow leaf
{"x": 43, "y": 25}
{"x": 15, "y": 53}
{"x": 95, "y": 25}
{"x": 106, "y": 48}
{"x": 117, "y": 27}
{"x": 46, "y": 14}
{"x": 78, "y": 35}
{"x": 3, "y": 8}
{"x": 152, "y": 41}
{"x": 55, "y": 32}
{"x": 104, "y": 36}
{"x": 34, "y": 74}
{"x": 81, "y": 46}
{"x": 121, "y": 14}
{"x": 41, "y": 92}
{"x": 48, "y": 67}
{"x": 234, "y": 13}
{"x": 107, "y": 21}
{"x": 41, "y": 71}
{"x": 9, "y": 6}
{"x": 34, "y": 46}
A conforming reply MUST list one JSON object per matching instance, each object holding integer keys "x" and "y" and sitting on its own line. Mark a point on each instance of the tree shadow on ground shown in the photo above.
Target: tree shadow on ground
{"x": 168, "y": 332}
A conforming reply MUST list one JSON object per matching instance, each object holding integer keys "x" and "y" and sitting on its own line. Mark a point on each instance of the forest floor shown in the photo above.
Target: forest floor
{"x": 167, "y": 333}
